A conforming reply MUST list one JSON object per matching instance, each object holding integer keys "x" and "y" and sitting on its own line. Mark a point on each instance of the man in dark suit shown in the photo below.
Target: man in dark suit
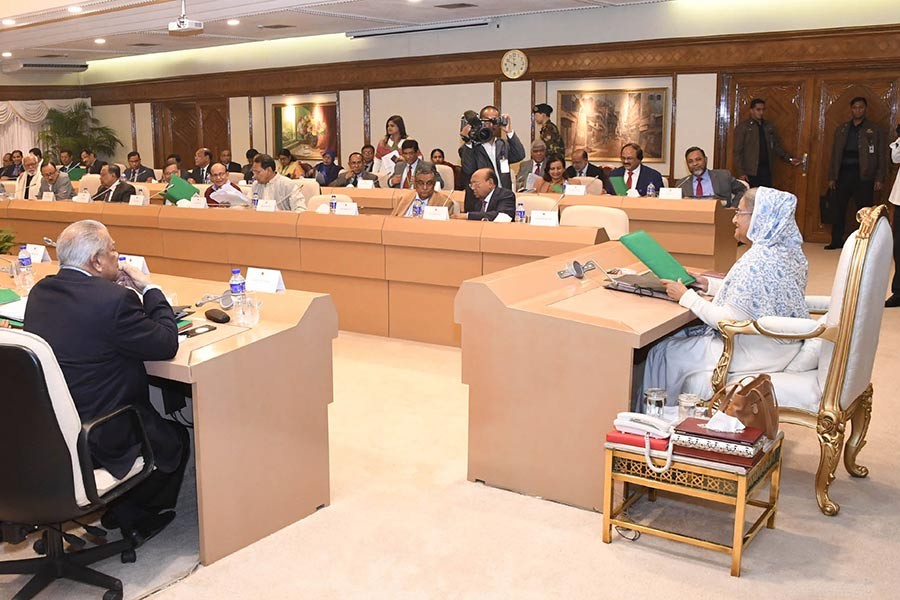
{"x": 12, "y": 171}
{"x": 136, "y": 172}
{"x": 67, "y": 162}
{"x": 111, "y": 188}
{"x": 580, "y": 167}
{"x": 225, "y": 159}
{"x": 637, "y": 176}
{"x": 496, "y": 153}
{"x": 756, "y": 143}
{"x": 355, "y": 174}
{"x": 709, "y": 183}
{"x": 101, "y": 334}
{"x": 485, "y": 199}
{"x": 90, "y": 162}
{"x": 404, "y": 170}
{"x": 202, "y": 163}
{"x": 534, "y": 166}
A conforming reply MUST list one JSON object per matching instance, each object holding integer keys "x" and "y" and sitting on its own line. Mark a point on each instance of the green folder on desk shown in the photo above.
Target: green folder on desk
{"x": 179, "y": 189}
{"x": 76, "y": 174}
{"x": 655, "y": 256}
{"x": 618, "y": 183}
{"x": 7, "y": 296}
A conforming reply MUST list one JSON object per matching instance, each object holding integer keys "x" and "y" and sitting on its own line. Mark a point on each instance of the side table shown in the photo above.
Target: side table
{"x": 695, "y": 478}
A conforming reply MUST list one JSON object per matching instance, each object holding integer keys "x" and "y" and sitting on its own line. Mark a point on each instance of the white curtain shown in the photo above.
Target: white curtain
{"x": 21, "y": 120}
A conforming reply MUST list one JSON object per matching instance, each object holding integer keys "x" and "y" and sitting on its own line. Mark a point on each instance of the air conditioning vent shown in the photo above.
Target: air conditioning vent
{"x": 52, "y": 56}
{"x": 143, "y": 45}
{"x": 275, "y": 26}
{"x": 34, "y": 66}
{"x": 456, "y": 6}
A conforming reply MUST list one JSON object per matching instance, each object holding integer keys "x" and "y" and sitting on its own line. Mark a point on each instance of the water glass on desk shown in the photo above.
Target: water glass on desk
{"x": 654, "y": 402}
{"x": 247, "y": 309}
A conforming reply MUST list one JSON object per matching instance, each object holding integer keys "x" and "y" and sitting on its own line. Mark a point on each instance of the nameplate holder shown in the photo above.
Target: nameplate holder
{"x": 264, "y": 280}
{"x": 347, "y": 209}
{"x": 667, "y": 193}
{"x": 83, "y": 197}
{"x": 47, "y": 197}
{"x": 323, "y": 209}
{"x": 436, "y": 213}
{"x": 573, "y": 189}
{"x": 38, "y": 253}
{"x": 365, "y": 184}
{"x": 138, "y": 200}
{"x": 198, "y": 201}
{"x": 266, "y": 206}
{"x": 545, "y": 218}
{"x": 138, "y": 262}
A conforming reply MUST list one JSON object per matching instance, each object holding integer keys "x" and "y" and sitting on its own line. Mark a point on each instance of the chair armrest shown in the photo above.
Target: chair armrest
{"x": 789, "y": 328}
{"x": 87, "y": 463}
{"x": 818, "y": 305}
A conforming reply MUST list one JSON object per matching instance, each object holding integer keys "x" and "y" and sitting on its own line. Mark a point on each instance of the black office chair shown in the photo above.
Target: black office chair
{"x": 47, "y": 476}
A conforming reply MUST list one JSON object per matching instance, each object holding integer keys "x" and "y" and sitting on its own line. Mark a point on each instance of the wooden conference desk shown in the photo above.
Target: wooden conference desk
{"x": 549, "y": 363}
{"x": 387, "y": 276}
{"x": 260, "y": 399}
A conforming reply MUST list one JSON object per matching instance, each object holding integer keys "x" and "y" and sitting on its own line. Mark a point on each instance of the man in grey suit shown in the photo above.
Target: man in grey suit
{"x": 353, "y": 176}
{"x": 55, "y": 181}
{"x": 533, "y": 166}
{"x": 705, "y": 183}
{"x": 404, "y": 171}
{"x": 496, "y": 153}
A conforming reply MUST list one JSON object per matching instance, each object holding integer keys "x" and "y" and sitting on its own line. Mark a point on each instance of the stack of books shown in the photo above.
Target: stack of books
{"x": 744, "y": 449}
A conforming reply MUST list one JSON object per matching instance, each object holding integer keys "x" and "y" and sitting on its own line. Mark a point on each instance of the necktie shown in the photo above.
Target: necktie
{"x": 537, "y": 168}
{"x": 28, "y": 185}
{"x": 699, "y": 188}
{"x": 354, "y": 181}
{"x": 409, "y": 177}
{"x": 484, "y": 205}
{"x": 628, "y": 182}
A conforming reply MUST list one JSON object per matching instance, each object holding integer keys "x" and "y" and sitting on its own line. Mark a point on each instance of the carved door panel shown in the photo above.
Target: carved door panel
{"x": 214, "y": 129}
{"x": 833, "y": 93}
{"x": 182, "y": 127}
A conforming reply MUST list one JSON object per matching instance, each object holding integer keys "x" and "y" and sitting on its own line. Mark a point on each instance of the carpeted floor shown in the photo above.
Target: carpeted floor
{"x": 405, "y": 524}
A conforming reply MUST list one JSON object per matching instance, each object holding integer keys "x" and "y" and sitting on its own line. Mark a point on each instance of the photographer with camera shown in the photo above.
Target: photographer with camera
{"x": 485, "y": 147}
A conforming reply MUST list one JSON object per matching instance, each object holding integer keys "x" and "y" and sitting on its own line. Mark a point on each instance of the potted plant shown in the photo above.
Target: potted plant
{"x": 77, "y": 128}
{"x": 7, "y": 241}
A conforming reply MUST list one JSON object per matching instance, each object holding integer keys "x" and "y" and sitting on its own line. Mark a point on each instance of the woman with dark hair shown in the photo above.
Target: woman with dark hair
{"x": 394, "y": 136}
{"x": 287, "y": 166}
{"x": 327, "y": 170}
{"x": 555, "y": 177}
{"x": 437, "y": 157}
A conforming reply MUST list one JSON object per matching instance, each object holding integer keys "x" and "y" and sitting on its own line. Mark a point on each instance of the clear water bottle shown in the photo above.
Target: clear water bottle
{"x": 332, "y": 204}
{"x": 417, "y": 208}
{"x": 26, "y": 275}
{"x": 651, "y": 190}
{"x": 255, "y": 200}
{"x": 520, "y": 212}
{"x": 236, "y": 283}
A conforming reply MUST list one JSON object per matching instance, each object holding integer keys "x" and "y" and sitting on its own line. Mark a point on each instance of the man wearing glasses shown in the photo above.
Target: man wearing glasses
{"x": 485, "y": 200}
{"x": 55, "y": 181}
{"x": 423, "y": 182}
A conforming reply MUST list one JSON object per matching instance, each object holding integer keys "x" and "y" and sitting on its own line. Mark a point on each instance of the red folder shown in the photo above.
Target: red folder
{"x": 718, "y": 457}
{"x": 631, "y": 439}
{"x": 692, "y": 426}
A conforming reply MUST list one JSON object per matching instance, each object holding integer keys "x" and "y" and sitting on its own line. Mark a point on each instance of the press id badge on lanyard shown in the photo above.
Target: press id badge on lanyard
{"x": 504, "y": 165}
{"x": 871, "y": 148}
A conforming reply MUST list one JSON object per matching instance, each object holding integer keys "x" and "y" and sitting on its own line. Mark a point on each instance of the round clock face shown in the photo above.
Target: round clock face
{"x": 514, "y": 64}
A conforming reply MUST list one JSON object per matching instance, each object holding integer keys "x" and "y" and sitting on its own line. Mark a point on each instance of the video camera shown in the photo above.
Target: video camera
{"x": 482, "y": 129}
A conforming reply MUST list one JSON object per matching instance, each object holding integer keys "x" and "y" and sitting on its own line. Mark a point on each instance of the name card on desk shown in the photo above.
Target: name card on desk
{"x": 436, "y": 213}
{"x": 545, "y": 218}
{"x": 138, "y": 200}
{"x": 264, "y": 280}
{"x": 347, "y": 209}
{"x": 670, "y": 193}
{"x": 266, "y": 206}
{"x": 138, "y": 262}
{"x": 198, "y": 201}
{"x": 573, "y": 189}
{"x": 47, "y": 197}
{"x": 83, "y": 197}
{"x": 365, "y": 184}
{"x": 38, "y": 253}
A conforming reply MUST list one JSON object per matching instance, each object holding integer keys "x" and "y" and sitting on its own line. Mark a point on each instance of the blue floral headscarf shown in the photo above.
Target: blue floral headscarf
{"x": 770, "y": 278}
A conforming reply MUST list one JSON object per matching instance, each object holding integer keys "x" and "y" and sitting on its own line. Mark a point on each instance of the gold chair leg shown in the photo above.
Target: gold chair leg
{"x": 859, "y": 422}
{"x": 831, "y": 439}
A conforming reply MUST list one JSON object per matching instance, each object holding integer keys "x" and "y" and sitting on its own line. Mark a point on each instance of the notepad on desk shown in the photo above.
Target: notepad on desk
{"x": 14, "y": 311}
{"x": 656, "y": 257}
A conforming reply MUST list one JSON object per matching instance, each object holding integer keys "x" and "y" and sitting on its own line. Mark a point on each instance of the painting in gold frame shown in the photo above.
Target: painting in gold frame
{"x": 602, "y": 121}
{"x": 306, "y": 129}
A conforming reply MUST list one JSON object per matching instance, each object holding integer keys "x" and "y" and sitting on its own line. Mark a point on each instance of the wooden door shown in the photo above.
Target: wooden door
{"x": 182, "y": 127}
{"x": 833, "y": 92}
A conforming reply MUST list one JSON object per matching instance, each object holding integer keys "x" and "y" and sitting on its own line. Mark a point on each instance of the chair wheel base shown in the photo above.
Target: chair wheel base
{"x": 40, "y": 547}
{"x": 128, "y": 556}
{"x": 113, "y": 595}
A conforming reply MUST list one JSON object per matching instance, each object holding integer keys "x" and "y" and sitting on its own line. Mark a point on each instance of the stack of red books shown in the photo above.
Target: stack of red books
{"x": 633, "y": 439}
{"x": 691, "y": 438}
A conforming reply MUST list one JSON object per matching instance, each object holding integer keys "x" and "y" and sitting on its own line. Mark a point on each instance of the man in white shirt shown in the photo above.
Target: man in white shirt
{"x": 28, "y": 184}
{"x": 271, "y": 186}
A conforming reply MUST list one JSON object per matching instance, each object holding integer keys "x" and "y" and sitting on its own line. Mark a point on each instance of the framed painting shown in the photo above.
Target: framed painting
{"x": 602, "y": 121}
{"x": 306, "y": 129}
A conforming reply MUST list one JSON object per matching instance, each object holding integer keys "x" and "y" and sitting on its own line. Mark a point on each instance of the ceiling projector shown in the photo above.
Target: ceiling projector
{"x": 185, "y": 26}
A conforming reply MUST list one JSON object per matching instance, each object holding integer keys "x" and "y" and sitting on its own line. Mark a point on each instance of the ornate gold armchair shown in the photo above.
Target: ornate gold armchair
{"x": 834, "y": 386}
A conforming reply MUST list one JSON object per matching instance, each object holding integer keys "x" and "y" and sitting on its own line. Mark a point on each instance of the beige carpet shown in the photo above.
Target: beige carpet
{"x": 405, "y": 524}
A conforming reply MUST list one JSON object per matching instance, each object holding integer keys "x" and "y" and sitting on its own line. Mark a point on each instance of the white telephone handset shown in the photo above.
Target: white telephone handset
{"x": 649, "y": 427}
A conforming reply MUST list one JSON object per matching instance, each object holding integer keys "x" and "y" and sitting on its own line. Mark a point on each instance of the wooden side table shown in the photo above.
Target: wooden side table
{"x": 726, "y": 484}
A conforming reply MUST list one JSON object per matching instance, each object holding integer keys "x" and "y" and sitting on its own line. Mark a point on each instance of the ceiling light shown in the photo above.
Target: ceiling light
{"x": 6, "y": 54}
{"x": 74, "y": 9}
{"x": 99, "y": 41}
{"x": 233, "y": 22}
{"x": 8, "y": 22}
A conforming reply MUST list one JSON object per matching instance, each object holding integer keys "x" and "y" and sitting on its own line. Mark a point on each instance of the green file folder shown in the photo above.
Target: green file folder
{"x": 76, "y": 174}
{"x": 179, "y": 189}
{"x": 7, "y": 296}
{"x": 655, "y": 256}
{"x": 618, "y": 183}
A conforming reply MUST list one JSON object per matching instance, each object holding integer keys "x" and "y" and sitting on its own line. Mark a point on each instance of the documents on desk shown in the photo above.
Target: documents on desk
{"x": 15, "y": 310}
{"x": 229, "y": 196}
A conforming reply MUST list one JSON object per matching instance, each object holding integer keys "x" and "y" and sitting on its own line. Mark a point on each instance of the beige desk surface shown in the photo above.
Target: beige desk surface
{"x": 260, "y": 412}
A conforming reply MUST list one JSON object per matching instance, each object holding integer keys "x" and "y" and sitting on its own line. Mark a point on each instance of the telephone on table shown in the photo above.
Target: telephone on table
{"x": 649, "y": 427}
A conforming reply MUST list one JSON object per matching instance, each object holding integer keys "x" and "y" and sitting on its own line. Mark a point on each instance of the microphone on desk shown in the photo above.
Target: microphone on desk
{"x": 558, "y": 200}
{"x": 12, "y": 267}
{"x": 49, "y": 241}
{"x": 225, "y": 300}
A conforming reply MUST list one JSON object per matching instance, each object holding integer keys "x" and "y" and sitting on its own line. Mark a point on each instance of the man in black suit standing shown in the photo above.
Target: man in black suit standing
{"x": 496, "y": 153}
{"x": 101, "y": 334}
{"x": 485, "y": 199}
{"x": 634, "y": 172}
{"x": 581, "y": 168}
{"x": 111, "y": 188}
